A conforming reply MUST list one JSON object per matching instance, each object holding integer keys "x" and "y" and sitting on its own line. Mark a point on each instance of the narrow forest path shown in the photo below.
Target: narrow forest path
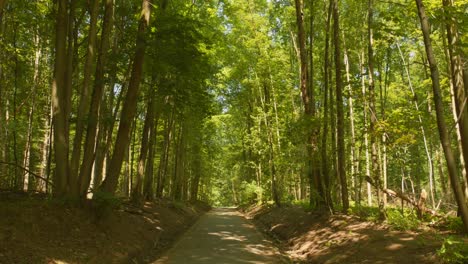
{"x": 222, "y": 235}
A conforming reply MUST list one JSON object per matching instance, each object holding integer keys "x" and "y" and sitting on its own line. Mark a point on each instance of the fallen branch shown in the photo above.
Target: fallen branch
{"x": 403, "y": 197}
{"x": 28, "y": 171}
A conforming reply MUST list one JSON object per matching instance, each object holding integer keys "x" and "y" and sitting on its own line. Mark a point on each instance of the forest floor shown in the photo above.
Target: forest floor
{"x": 38, "y": 230}
{"x": 309, "y": 237}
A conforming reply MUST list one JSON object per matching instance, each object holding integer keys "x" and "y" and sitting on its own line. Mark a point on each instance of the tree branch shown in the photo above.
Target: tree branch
{"x": 28, "y": 171}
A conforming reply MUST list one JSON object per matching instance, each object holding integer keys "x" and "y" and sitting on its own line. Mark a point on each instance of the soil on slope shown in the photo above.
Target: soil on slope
{"x": 308, "y": 237}
{"x": 37, "y": 230}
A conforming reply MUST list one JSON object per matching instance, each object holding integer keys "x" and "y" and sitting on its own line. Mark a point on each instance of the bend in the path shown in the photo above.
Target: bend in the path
{"x": 222, "y": 235}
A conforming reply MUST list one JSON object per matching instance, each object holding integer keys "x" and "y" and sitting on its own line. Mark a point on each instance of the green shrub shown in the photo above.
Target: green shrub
{"x": 305, "y": 204}
{"x": 455, "y": 224}
{"x": 365, "y": 212}
{"x": 251, "y": 193}
{"x": 402, "y": 221}
{"x": 103, "y": 203}
{"x": 454, "y": 250}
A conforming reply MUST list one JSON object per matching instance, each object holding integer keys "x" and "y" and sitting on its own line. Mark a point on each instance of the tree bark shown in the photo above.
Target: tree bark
{"x": 372, "y": 109}
{"x": 443, "y": 133}
{"x": 59, "y": 101}
{"x": 456, "y": 67}
{"x": 149, "y": 120}
{"x": 84, "y": 105}
{"x": 129, "y": 108}
{"x": 28, "y": 145}
{"x": 339, "y": 109}
{"x": 148, "y": 191}
{"x": 98, "y": 89}
{"x": 309, "y": 111}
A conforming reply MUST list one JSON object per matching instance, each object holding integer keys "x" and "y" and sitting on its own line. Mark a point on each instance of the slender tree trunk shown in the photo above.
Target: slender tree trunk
{"x": 162, "y": 171}
{"x": 372, "y": 109}
{"x": 94, "y": 109}
{"x": 28, "y": 146}
{"x": 46, "y": 151}
{"x": 366, "y": 130}
{"x": 309, "y": 111}
{"x": 148, "y": 191}
{"x": 149, "y": 120}
{"x": 326, "y": 70}
{"x": 339, "y": 109}
{"x": 421, "y": 126}
{"x": 84, "y": 105}
{"x": 3, "y": 138}
{"x": 59, "y": 101}
{"x": 129, "y": 108}
{"x": 456, "y": 67}
{"x": 443, "y": 133}
{"x": 353, "y": 157}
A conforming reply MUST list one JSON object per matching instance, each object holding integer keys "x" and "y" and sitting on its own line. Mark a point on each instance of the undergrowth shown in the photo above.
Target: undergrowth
{"x": 454, "y": 250}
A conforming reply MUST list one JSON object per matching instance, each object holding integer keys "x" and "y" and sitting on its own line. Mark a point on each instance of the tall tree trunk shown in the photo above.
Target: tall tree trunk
{"x": 98, "y": 89}
{"x": 46, "y": 151}
{"x": 421, "y": 126}
{"x": 372, "y": 109}
{"x": 178, "y": 163}
{"x": 149, "y": 120}
{"x": 456, "y": 67}
{"x": 129, "y": 108}
{"x": 197, "y": 170}
{"x": 339, "y": 109}
{"x": 309, "y": 111}
{"x": 164, "y": 161}
{"x": 323, "y": 148}
{"x": 366, "y": 129}
{"x": 59, "y": 101}
{"x": 3, "y": 138}
{"x": 28, "y": 146}
{"x": 353, "y": 157}
{"x": 443, "y": 133}
{"x": 148, "y": 190}
{"x": 84, "y": 105}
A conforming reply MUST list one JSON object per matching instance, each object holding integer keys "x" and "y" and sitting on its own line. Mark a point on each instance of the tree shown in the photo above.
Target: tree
{"x": 443, "y": 133}
{"x": 60, "y": 100}
{"x": 339, "y": 107}
{"x": 129, "y": 107}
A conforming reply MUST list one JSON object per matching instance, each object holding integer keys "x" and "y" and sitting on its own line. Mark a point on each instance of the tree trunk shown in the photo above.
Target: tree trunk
{"x": 456, "y": 67}
{"x": 372, "y": 109}
{"x": 164, "y": 161}
{"x": 149, "y": 120}
{"x": 353, "y": 157}
{"x": 59, "y": 101}
{"x": 129, "y": 108}
{"x": 339, "y": 109}
{"x": 443, "y": 133}
{"x": 366, "y": 130}
{"x": 309, "y": 111}
{"x": 421, "y": 126}
{"x": 84, "y": 105}
{"x": 28, "y": 146}
{"x": 98, "y": 89}
{"x": 148, "y": 191}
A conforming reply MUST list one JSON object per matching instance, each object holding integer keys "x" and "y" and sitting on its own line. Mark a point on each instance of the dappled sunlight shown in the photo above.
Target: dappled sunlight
{"x": 228, "y": 236}
{"x": 222, "y": 236}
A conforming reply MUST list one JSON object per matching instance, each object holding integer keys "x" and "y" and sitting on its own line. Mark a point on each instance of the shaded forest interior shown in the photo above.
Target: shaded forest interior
{"x": 339, "y": 106}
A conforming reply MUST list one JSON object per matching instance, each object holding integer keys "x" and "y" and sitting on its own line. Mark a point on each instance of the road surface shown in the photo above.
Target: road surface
{"x": 222, "y": 236}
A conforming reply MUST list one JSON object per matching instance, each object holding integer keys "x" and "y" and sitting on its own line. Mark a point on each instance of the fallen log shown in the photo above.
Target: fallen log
{"x": 418, "y": 205}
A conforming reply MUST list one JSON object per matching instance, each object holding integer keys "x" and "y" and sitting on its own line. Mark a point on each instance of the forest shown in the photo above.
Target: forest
{"x": 339, "y": 107}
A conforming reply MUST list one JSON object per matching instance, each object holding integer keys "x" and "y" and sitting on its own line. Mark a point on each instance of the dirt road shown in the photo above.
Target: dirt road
{"x": 222, "y": 236}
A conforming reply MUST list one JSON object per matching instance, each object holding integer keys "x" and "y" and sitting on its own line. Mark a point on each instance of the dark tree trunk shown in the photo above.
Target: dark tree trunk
{"x": 339, "y": 109}
{"x": 443, "y": 133}
{"x": 129, "y": 108}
